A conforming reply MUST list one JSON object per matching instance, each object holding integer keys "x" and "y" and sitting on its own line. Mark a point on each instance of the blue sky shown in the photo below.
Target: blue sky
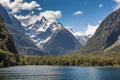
{"x": 78, "y": 14}
{"x": 92, "y": 13}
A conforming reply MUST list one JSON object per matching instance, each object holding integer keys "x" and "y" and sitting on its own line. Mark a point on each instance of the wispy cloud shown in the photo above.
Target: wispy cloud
{"x": 77, "y": 13}
{"x": 51, "y": 15}
{"x": 91, "y": 29}
{"x": 117, "y": 0}
{"x": 101, "y": 5}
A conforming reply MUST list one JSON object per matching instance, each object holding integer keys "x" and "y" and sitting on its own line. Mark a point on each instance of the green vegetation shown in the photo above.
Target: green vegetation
{"x": 90, "y": 60}
{"x": 8, "y": 59}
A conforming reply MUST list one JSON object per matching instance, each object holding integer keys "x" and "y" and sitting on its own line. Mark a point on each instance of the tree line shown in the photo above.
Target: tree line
{"x": 10, "y": 59}
{"x": 90, "y": 60}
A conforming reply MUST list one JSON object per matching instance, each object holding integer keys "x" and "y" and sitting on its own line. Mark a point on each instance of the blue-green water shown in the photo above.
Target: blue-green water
{"x": 59, "y": 73}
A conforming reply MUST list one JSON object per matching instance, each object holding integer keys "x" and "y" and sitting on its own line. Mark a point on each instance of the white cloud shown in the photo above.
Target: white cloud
{"x": 15, "y": 6}
{"x": 77, "y": 33}
{"x": 51, "y": 15}
{"x": 39, "y": 8}
{"x": 30, "y": 19}
{"x": 117, "y": 1}
{"x": 88, "y": 32}
{"x": 117, "y": 4}
{"x": 91, "y": 29}
{"x": 5, "y": 2}
{"x": 18, "y": 5}
{"x": 29, "y": 6}
{"x": 32, "y": 12}
{"x": 101, "y": 5}
{"x": 78, "y": 13}
{"x": 27, "y": 20}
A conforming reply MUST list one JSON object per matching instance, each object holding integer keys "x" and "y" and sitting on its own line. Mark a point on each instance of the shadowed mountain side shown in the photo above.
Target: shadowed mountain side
{"x": 23, "y": 43}
{"x": 62, "y": 42}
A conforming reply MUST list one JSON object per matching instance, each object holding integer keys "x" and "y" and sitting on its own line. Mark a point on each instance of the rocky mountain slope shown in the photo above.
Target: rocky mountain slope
{"x": 106, "y": 38}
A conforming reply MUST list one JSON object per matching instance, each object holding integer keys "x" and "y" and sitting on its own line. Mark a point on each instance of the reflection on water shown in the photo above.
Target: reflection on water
{"x": 59, "y": 73}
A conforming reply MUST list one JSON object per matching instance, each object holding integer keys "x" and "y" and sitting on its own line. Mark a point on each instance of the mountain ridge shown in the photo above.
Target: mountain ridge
{"x": 105, "y": 36}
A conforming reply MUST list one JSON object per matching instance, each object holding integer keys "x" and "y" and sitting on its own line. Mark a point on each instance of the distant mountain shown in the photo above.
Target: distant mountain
{"x": 106, "y": 38}
{"x": 80, "y": 37}
{"x": 23, "y": 43}
{"x": 46, "y": 33}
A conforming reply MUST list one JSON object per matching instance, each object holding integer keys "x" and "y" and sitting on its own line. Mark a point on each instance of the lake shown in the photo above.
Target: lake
{"x": 59, "y": 73}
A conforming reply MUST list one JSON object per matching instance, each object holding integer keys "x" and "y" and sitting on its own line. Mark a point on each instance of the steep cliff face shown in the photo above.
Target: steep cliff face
{"x": 6, "y": 40}
{"x": 8, "y": 52}
{"x": 106, "y": 38}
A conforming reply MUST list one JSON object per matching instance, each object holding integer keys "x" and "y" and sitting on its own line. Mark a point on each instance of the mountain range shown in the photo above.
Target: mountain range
{"x": 43, "y": 37}
{"x": 52, "y": 37}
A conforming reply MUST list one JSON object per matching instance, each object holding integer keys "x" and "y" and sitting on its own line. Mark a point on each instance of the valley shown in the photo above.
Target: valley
{"x": 59, "y": 40}
{"x": 49, "y": 42}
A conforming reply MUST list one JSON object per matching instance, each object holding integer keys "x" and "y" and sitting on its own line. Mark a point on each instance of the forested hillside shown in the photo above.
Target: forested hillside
{"x": 8, "y": 51}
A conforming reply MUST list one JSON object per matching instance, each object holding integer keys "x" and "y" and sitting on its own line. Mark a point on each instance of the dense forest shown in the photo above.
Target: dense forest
{"x": 90, "y": 60}
{"x": 9, "y": 59}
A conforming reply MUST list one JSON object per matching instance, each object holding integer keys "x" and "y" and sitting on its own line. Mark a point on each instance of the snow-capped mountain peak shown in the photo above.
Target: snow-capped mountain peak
{"x": 39, "y": 23}
{"x": 41, "y": 31}
{"x": 43, "y": 20}
{"x": 70, "y": 29}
